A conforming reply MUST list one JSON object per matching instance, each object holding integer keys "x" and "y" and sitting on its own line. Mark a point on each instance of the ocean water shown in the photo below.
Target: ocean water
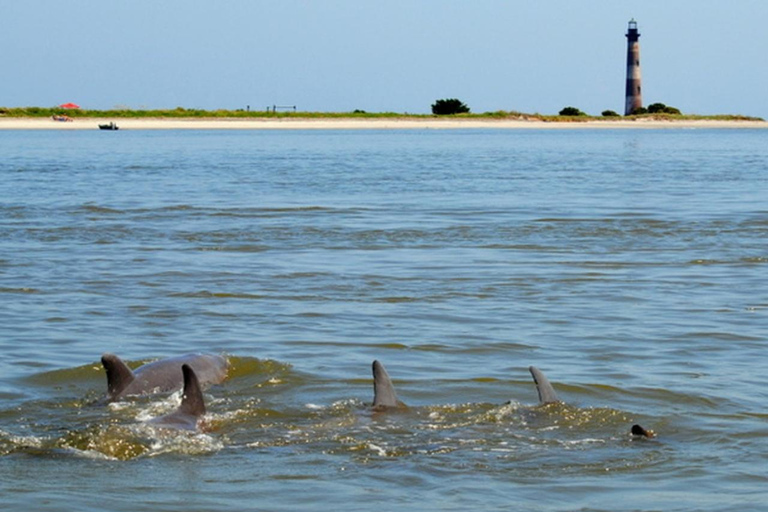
{"x": 631, "y": 266}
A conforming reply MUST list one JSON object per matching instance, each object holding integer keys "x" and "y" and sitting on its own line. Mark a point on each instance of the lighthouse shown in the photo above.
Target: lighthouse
{"x": 634, "y": 98}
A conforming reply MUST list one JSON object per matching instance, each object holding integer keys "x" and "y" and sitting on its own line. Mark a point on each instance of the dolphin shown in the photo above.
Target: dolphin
{"x": 547, "y": 395}
{"x": 164, "y": 375}
{"x": 192, "y": 406}
{"x": 638, "y": 431}
{"x": 384, "y": 396}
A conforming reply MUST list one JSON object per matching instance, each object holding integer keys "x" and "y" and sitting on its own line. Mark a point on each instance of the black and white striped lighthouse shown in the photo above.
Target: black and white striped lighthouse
{"x": 634, "y": 98}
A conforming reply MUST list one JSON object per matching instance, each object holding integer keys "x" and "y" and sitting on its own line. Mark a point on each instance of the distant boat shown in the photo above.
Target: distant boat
{"x": 110, "y": 126}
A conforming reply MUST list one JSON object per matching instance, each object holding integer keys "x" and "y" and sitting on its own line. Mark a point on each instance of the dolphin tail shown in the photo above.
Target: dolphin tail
{"x": 383, "y": 391}
{"x": 119, "y": 376}
{"x": 192, "y": 398}
{"x": 546, "y": 391}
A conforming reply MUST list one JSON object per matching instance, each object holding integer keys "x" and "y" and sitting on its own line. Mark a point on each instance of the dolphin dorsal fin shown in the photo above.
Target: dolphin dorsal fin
{"x": 192, "y": 398}
{"x": 119, "y": 376}
{"x": 383, "y": 391}
{"x": 546, "y": 391}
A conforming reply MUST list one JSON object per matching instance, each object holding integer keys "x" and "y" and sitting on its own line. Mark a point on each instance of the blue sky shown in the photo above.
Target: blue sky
{"x": 702, "y": 56}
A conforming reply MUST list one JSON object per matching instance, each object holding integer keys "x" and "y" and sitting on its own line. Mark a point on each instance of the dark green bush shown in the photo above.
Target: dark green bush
{"x": 571, "y": 111}
{"x": 449, "y": 107}
{"x": 610, "y": 113}
{"x": 660, "y": 108}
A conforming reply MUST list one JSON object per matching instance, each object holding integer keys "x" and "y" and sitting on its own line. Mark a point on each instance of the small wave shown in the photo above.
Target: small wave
{"x": 241, "y": 367}
{"x": 398, "y": 300}
{"x": 249, "y": 248}
{"x": 186, "y": 443}
{"x": 205, "y": 294}
{"x": 11, "y": 442}
{"x": 91, "y": 454}
{"x": 112, "y": 441}
{"x": 23, "y": 290}
{"x": 717, "y": 335}
{"x": 377, "y": 449}
{"x": 748, "y": 261}
{"x": 83, "y": 374}
{"x": 91, "y": 208}
{"x": 159, "y": 407}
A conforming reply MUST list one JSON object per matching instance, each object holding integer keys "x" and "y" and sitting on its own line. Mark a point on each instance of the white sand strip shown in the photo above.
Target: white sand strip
{"x": 353, "y": 124}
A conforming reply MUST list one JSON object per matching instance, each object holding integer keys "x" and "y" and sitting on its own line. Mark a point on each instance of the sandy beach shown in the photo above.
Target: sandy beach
{"x": 354, "y": 124}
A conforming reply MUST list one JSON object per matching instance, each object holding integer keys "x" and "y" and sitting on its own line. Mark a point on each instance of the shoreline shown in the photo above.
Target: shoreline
{"x": 295, "y": 123}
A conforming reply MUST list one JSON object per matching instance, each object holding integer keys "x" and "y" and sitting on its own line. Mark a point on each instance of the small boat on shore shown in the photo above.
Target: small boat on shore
{"x": 110, "y": 126}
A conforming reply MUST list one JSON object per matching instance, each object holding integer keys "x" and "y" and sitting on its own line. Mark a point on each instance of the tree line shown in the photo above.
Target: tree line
{"x": 453, "y": 106}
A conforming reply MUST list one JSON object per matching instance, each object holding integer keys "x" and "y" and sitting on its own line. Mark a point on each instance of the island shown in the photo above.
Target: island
{"x": 31, "y": 118}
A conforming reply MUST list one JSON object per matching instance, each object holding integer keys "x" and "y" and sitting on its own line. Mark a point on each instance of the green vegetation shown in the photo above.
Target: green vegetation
{"x": 660, "y": 108}
{"x": 693, "y": 117}
{"x": 449, "y": 107}
{"x": 646, "y": 116}
{"x": 571, "y": 111}
{"x": 181, "y": 113}
{"x": 610, "y": 113}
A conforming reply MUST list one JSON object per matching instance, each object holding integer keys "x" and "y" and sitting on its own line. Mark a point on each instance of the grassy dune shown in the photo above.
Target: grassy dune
{"x": 181, "y": 113}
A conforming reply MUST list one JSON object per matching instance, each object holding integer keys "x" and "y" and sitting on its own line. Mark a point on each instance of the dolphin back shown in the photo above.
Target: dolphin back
{"x": 383, "y": 391}
{"x": 164, "y": 375}
{"x": 547, "y": 393}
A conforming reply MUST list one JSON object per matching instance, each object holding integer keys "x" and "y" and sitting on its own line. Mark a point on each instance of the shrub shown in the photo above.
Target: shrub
{"x": 660, "y": 108}
{"x": 639, "y": 111}
{"x": 571, "y": 111}
{"x": 610, "y": 113}
{"x": 449, "y": 107}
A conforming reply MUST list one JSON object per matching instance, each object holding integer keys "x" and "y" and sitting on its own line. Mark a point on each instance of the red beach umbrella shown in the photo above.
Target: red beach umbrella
{"x": 70, "y": 105}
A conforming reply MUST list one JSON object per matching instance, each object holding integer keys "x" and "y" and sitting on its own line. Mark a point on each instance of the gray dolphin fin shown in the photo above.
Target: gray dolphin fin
{"x": 192, "y": 398}
{"x": 383, "y": 391}
{"x": 119, "y": 376}
{"x": 546, "y": 391}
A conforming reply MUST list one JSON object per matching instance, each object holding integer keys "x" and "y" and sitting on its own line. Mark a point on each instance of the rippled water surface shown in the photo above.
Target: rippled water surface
{"x": 630, "y": 266}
